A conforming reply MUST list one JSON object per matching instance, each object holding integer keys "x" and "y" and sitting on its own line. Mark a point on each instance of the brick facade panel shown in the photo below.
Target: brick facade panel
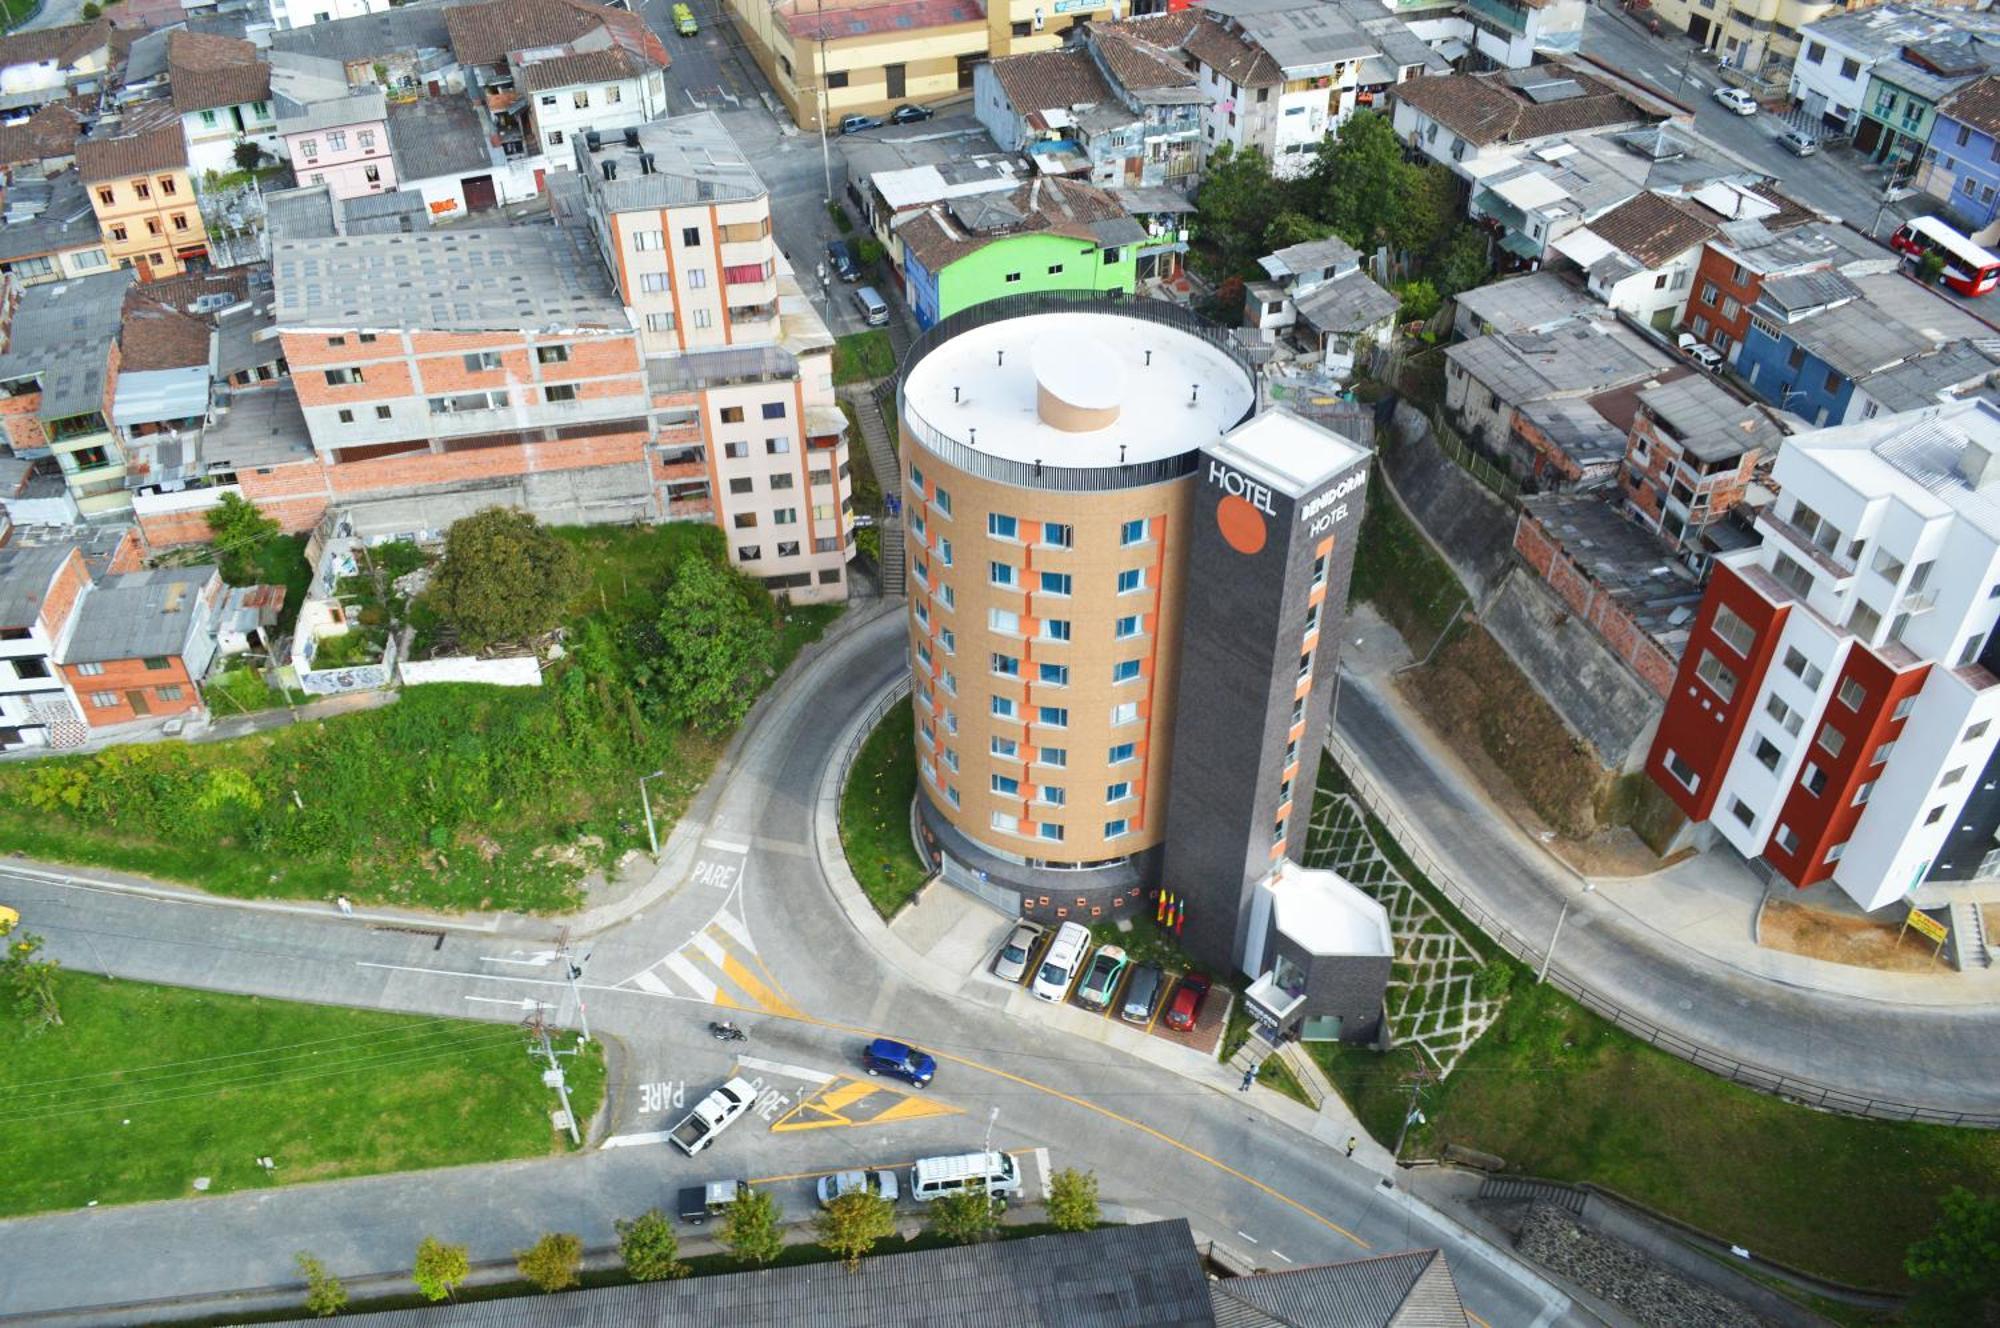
{"x": 425, "y": 468}
{"x": 64, "y": 589}
{"x": 380, "y": 382}
{"x": 124, "y": 678}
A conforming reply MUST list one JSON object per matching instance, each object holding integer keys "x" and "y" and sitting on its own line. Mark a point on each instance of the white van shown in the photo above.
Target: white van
{"x": 991, "y": 1173}
{"x": 874, "y": 309}
{"x": 1059, "y": 966}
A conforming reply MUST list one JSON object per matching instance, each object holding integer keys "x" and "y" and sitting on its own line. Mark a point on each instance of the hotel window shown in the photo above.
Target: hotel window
{"x": 1132, "y": 532}
{"x": 655, "y": 283}
{"x": 1125, "y": 670}
{"x": 1055, "y": 629}
{"x": 1934, "y": 815}
{"x": 104, "y": 700}
{"x": 647, "y": 240}
{"x": 1003, "y": 620}
{"x": 1114, "y": 828}
{"x": 1741, "y": 811}
{"x": 1056, "y": 717}
{"x": 1051, "y": 796}
{"x": 366, "y": 138}
{"x": 1050, "y": 832}
{"x": 1716, "y": 674}
{"x": 1120, "y": 752}
{"x": 1813, "y": 779}
{"x": 342, "y": 377}
{"x": 1976, "y": 731}
{"x": 1125, "y": 712}
{"x": 1131, "y": 579}
{"x": 1767, "y": 753}
{"x": 1952, "y": 776}
{"x": 1003, "y": 707}
{"x": 1007, "y": 822}
{"x": 1055, "y": 583}
{"x": 1787, "y": 839}
{"x": 1058, "y": 536}
{"x": 1007, "y": 666}
{"x": 1006, "y": 784}
{"x": 943, "y": 499}
{"x": 1126, "y": 627}
{"x": 1832, "y": 740}
{"x": 1054, "y": 675}
{"x": 1683, "y": 773}
{"x": 1001, "y": 574}
{"x": 949, "y": 640}
{"x": 89, "y": 670}
{"x": 916, "y": 479}
{"x": 1006, "y": 747}
{"x": 1002, "y": 527}
{"x": 1118, "y": 792}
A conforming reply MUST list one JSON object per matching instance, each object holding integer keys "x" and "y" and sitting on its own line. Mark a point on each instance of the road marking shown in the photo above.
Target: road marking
{"x": 735, "y": 926}
{"x": 476, "y": 977}
{"x": 1247, "y": 1236}
{"x": 767, "y": 1000}
{"x": 811, "y": 1076}
{"x": 705, "y": 943}
{"x": 1042, "y": 1165}
{"x": 1277, "y": 1253}
{"x": 647, "y": 981}
{"x": 525, "y": 1003}
{"x": 637, "y": 1140}
{"x": 727, "y": 846}
{"x": 913, "y": 1107}
{"x": 678, "y": 965}
{"x": 541, "y": 959}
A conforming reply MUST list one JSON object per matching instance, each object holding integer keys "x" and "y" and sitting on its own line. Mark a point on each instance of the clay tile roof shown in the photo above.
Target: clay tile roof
{"x": 1976, "y": 104}
{"x": 206, "y": 71}
{"x": 155, "y": 336}
{"x": 135, "y": 154}
{"x": 561, "y": 71}
{"x": 940, "y": 235}
{"x": 486, "y": 34}
{"x": 1653, "y": 228}
{"x": 1046, "y": 80}
{"x": 63, "y": 46}
{"x": 1231, "y": 56}
{"x": 1484, "y": 108}
{"x": 50, "y": 132}
{"x": 1791, "y": 213}
{"x": 1139, "y": 58}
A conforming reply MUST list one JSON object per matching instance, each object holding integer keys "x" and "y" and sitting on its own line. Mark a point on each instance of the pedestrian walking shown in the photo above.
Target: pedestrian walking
{"x": 1351, "y": 1141}
{"x": 1249, "y": 1077}
{"x": 345, "y": 905}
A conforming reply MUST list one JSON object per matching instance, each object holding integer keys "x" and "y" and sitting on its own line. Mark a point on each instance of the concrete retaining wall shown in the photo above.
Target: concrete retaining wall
{"x": 523, "y": 671}
{"x": 1473, "y": 527}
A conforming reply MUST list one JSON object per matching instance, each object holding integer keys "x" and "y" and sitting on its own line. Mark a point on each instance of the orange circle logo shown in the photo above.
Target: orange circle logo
{"x": 1242, "y": 525}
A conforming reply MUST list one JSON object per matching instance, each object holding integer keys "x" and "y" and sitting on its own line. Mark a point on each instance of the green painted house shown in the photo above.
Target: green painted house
{"x": 1050, "y": 234}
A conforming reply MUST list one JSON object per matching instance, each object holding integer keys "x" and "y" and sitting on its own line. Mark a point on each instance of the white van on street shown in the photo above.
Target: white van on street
{"x": 991, "y": 1173}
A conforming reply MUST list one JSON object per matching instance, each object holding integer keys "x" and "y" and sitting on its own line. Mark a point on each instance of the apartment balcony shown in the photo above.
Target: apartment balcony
{"x": 1795, "y": 541}
{"x": 668, "y": 435}
{"x": 751, "y": 313}
{"x": 761, "y": 290}
{"x": 691, "y": 509}
{"x": 746, "y": 253}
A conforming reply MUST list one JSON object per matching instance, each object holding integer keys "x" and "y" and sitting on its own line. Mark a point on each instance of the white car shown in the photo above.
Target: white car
{"x": 1700, "y": 352}
{"x": 879, "y": 1183}
{"x": 1737, "y": 100}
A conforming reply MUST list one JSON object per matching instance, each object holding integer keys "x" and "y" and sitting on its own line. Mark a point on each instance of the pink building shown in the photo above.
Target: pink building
{"x": 342, "y": 143}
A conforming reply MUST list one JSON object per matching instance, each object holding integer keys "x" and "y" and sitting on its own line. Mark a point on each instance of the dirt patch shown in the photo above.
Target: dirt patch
{"x": 1840, "y": 939}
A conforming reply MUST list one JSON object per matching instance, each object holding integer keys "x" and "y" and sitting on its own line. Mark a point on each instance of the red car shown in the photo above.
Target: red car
{"x": 1186, "y": 1007}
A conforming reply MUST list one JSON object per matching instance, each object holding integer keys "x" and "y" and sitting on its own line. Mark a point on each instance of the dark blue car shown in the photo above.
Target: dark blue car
{"x": 899, "y": 1061}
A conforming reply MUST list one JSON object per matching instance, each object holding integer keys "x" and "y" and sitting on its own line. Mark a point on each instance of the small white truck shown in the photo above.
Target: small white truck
{"x": 712, "y": 1115}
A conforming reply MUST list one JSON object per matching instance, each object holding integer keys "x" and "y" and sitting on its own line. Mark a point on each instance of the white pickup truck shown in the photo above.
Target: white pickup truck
{"x": 713, "y": 1114}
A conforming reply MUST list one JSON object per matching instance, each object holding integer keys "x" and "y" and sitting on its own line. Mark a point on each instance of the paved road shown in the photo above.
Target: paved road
{"x": 1939, "y": 1057}
{"x": 753, "y": 924}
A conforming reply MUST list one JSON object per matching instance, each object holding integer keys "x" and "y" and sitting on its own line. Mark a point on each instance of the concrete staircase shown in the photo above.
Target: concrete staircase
{"x": 1968, "y": 935}
{"x": 882, "y": 457}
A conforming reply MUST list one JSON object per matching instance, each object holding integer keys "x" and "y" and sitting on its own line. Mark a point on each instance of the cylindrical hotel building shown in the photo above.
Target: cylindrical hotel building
{"x": 1049, "y": 460}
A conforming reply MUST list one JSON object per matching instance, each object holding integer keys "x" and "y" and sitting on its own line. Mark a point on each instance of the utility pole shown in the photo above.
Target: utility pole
{"x": 825, "y": 153}
{"x": 572, "y": 970}
{"x": 1420, "y": 1079}
{"x": 991, "y": 1116}
{"x": 553, "y": 1076}
{"x": 652, "y": 836}
{"x": 1561, "y": 917}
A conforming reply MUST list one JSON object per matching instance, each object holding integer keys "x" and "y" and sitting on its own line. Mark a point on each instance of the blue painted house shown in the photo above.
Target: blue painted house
{"x": 1961, "y": 166}
{"x": 1811, "y": 337}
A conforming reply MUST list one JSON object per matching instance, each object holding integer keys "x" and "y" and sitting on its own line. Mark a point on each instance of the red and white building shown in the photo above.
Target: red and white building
{"x": 1832, "y": 713}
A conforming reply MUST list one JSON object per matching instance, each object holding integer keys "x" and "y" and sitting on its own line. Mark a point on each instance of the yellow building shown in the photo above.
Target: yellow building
{"x": 1757, "y": 36}
{"x": 144, "y": 201}
{"x": 877, "y": 56}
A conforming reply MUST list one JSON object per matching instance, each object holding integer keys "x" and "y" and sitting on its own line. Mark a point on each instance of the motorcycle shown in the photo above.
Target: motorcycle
{"x": 727, "y": 1032}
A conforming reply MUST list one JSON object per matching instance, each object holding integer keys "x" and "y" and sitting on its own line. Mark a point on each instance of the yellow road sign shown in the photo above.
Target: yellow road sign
{"x": 1926, "y": 924}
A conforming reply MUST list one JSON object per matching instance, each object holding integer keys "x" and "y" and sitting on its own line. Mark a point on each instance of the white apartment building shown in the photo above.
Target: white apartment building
{"x": 39, "y": 585}
{"x": 741, "y": 364}
{"x": 304, "y": 13}
{"x": 1836, "y": 55}
{"x": 578, "y": 91}
{"x": 1832, "y": 713}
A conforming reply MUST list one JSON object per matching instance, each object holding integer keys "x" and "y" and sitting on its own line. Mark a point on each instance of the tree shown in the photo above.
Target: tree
{"x": 966, "y": 1217}
{"x": 717, "y": 641}
{"x": 1429, "y": 208}
{"x": 247, "y": 156}
{"x": 1357, "y": 181}
{"x": 1463, "y": 263}
{"x": 32, "y": 980}
{"x": 1956, "y": 1267}
{"x": 503, "y": 577}
{"x": 1073, "y": 1200}
{"x": 325, "y": 1296}
{"x": 852, "y": 1223}
{"x": 1289, "y": 228}
{"x": 90, "y": 10}
{"x": 649, "y": 1248}
{"x": 1420, "y": 301}
{"x": 440, "y": 1268}
{"x": 240, "y": 529}
{"x": 1236, "y": 205}
{"x": 552, "y": 1262}
{"x": 750, "y": 1227}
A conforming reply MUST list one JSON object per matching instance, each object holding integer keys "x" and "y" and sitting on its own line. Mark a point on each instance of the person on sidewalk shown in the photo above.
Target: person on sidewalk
{"x": 1249, "y": 1077}
{"x": 345, "y": 905}
{"x": 1351, "y": 1141}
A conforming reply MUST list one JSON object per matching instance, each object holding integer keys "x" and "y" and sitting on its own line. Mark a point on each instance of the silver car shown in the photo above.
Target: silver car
{"x": 1011, "y": 964}
{"x": 879, "y": 1183}
{"x": 1798, "y": 144}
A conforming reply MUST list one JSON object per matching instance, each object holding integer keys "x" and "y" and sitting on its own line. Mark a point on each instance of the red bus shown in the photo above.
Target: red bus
{"x": 1968, "y": 269}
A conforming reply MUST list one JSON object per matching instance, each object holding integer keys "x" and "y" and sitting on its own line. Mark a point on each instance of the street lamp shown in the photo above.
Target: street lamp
{"x": 652, "y": 836}
{"x": 1543, "y": 976}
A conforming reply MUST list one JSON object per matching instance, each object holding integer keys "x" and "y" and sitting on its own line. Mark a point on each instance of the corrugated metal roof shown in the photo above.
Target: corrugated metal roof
{"x": 1413, "y": 1289}
{"x": 137, "y": 615}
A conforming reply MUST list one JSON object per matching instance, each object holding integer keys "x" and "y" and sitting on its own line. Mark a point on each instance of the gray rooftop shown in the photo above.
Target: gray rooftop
{"x": 136, "y": 615}
{"x": 1305, "y": 37}
{"x": 1533, "y": 303}
{"x": 1855, "y": 339}
{"x": 1711, "y": 424}
{"x": 1410, "y": 1289}
{"x": 245, "y": 338}
{"x": 396, "y": 31}
{"x": 1922, "y": 450}
{"x": 1878, "y": 33}
{"x": 1352, "y": 303}
{"x": 1816, "y": 243}
{"x": 393, "y": 213}
{"x": 1925, "y": 380}
{"x": 434, "y": 137}
{"x": 66, "y": 222}
{"x": 362, "y": 106}
{"x": 1145, "y": 1276}
{"x": 458, "y": 279}
{"x": 1580, "y": 359}
{"x": 59, "y": 336}
{"x": 305, "y": 213}
{"x": 1625, "y": 560}
{"x": 1921, "y": 309}
{"x": 1806, "y": 290}
{"x": 1579, "y": 432}
{"x": 25, "y": 574}
{"x": 1312, "y": 256}
{"x": 668, "y": 163}
{"x": 263, "y": 426}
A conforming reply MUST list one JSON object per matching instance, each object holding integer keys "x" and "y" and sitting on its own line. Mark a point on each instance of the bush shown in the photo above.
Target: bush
{"x": 240, "y": 530}
{"x": 649, "y": 1248}
{"x": 247, "y": 156}
{"x": 750, "y": 1228}
{"x": 965, "y": 1218}
{"x": 1073, "y": 1200}
{"x": 503, "y": 577}
{"x": 552, "y": 1263}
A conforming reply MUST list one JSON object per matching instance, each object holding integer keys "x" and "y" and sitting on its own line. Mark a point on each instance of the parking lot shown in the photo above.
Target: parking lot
{"x": 1212, "y": 1017}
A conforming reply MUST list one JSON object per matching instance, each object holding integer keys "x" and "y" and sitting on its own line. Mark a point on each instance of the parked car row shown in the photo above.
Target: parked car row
{"x": 1068, "y": 965}
{"x": 994, "y": 1173}
{"x": 907, "y": 113}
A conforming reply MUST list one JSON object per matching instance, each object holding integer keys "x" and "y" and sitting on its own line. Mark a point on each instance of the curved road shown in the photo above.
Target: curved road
{"x": 754, "y": 925}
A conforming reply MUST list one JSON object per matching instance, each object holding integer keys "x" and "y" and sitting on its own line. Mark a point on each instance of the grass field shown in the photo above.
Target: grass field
{"x": 862, "y": 357}
{"x": 142, "y": 1089}
{"x": 1273, "y": 1073}
{"x": 1397, "y": 571}
{"x": 457, "y": 797}
{"x": 1561, "y": 1094}
{"x": 875, "y": 813}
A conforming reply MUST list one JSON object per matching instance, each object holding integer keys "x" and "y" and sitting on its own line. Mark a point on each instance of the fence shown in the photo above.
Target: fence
{"x": 1488, "y": 474}
{"x": 1761, "y": 1078}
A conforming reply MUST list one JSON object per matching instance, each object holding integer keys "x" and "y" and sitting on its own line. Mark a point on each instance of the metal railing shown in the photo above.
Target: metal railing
{"x": 1035, "y": 475}
{"x": 883, "y": 705}
{"x": 1735, "y": 1070}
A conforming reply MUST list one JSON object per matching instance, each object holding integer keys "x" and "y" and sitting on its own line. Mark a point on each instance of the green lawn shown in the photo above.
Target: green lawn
{"x": 1397, "y": 571}
{"x": 1275, "y": 1074}
{"x": 862, "y": 357}
{"x": 1561, "y": 1094}
{"x": 457, "y": 797}
{"x": 142, "y": 1089}
{"x": 875, "y": 813}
